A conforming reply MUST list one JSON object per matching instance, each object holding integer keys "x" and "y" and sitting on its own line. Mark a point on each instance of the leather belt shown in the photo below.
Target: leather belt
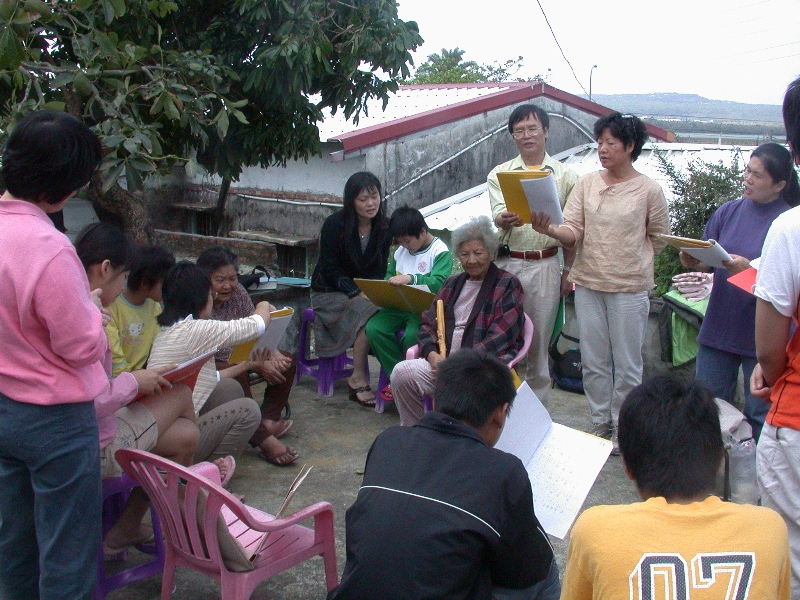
{"x": 535, "y": 254}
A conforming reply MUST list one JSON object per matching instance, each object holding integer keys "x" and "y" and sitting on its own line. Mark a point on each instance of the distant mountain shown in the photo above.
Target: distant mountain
{"x": 691, "y": 106}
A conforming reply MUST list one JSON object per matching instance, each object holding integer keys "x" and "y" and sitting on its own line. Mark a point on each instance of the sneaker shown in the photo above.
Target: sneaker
{"x": 601, "y": 430}
{"x": 615, "y": 441}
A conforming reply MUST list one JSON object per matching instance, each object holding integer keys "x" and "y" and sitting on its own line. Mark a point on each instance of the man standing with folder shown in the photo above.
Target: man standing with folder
{"x": 533, "y": 257}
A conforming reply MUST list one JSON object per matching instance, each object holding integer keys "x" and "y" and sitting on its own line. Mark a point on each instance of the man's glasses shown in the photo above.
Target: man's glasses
{"x": 519, "y": 134}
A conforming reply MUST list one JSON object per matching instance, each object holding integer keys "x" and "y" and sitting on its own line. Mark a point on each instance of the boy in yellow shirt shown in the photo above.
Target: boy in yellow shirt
{"x": 682, "y": 541}
{"x": 133, "y": 325}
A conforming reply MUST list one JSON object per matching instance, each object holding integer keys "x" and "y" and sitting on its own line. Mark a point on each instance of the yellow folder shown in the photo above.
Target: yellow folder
{"x": 399, "y": 297}
{"x": 513, "y": 194}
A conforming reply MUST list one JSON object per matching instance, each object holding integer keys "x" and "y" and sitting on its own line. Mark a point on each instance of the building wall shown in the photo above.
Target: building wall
{"x": 421, "y": 169}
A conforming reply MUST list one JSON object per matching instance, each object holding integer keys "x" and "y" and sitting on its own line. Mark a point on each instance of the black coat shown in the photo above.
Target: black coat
{"x": 441, "y": 515}
{"x": 341, "y": 259}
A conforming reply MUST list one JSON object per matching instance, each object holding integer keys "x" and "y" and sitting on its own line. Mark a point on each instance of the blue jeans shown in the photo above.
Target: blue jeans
{"x": 719, "y": 370}
{"x": 50, "y": 492}
{"x": 547, "y": 589}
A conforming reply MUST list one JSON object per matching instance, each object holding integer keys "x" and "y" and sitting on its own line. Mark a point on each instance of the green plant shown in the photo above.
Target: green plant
{"x": 698, "y": 192}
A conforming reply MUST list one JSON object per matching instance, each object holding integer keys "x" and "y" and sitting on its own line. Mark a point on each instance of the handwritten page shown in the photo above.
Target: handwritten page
{"x": 562, "y": 463}
{"x": 543, "y": 197}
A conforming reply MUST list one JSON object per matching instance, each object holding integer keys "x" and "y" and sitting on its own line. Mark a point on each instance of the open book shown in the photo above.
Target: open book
{"x": 298, "y": 481}
{"x": 278, "y": 322}
{"x": 562, "y": 463}
{"x": 709, "y": 251}
{"x": 186, "y": 373}
{"x": 399, "y": 297}
{"x": 527, "y": 192}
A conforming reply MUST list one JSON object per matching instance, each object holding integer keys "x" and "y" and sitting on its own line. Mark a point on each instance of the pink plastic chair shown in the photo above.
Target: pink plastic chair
{"x": 413, "y": 353}
{"x": 197, "y": 545}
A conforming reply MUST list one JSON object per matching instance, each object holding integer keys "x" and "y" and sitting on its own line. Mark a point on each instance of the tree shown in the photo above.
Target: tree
{"x": 448, "y": 67}
{"x": 698, "y": 193}
{"x": 212, "y": 85}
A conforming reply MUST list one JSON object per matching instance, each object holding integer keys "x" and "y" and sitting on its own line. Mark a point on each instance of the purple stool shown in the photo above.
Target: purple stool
{"x": 325, "y": 370}
{"x": 115, "y": 493}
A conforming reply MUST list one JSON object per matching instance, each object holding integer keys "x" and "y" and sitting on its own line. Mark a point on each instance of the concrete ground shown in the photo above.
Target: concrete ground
{"x": 334, "y": 435}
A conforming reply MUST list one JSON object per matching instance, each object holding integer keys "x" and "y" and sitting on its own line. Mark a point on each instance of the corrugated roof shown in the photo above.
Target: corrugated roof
{"x": 416, "y": 108}
{"x": 451, "y": 212}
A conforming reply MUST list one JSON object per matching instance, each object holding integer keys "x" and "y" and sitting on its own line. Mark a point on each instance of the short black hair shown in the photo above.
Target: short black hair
{"x": 184, "y": 292}
{"x": 791, "y": 115}
{"x": 407, "y": 221}
{"x": 629, "y": 129}
{"x": 523, "y": 111}
{"x": 217, "y": 257}
{"x": 670, "y": 438}
{"x": 98, "y": 242}
{"x": 470, "y": 385}
{"x": 49, "y": 155}
{"x": 153, "y": 264}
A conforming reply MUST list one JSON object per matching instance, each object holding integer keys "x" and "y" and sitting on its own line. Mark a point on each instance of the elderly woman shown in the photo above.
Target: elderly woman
{"x": 614, "y": 216}
{"x": 231, "y": 301}
{"x": 482, "y": 310}
{"x": 354, "y": 243}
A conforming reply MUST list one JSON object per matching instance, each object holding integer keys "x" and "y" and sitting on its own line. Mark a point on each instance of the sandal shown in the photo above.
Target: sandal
{"x": 281, "y": 426}
{"x": 386, "y": 393}
{"x": 284, "y": 459}
{"x": 146, "y": 536}
{"x": 354, "y": 392}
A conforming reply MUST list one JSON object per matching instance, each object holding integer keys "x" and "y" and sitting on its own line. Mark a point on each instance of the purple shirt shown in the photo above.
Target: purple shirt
{"x": 740, "y": 226}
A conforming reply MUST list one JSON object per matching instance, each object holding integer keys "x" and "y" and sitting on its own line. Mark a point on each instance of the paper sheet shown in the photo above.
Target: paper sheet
{"x": 714, "y": 255}
{"x": 278, "y": 322}
{"x": 562, "y": 463}
{"x": 543, "y": 197}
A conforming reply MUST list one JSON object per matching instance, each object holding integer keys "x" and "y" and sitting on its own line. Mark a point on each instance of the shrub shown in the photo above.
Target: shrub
{"x": 698, "y": 192}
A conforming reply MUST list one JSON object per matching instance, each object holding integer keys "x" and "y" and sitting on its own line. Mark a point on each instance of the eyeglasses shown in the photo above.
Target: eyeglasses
{"x": 519, "y": 134}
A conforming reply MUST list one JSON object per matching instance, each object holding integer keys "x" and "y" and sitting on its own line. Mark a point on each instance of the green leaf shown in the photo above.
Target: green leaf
{"x": 170, "y": 109}
{"x": 55, "y": 105}
{"x": 112, "y": 141}
{"x": 108, "y": 11}
{"x": 119, "y": 7}
{"x": 82, "y": 85}
{"x": 222, "y": 123}
{"x": 84, "y": 4}
{"x": 133, "y": 178}
{"x": 130, "y": 146}
{"x": 11, "y": 50}
{"x": 191, "y": 168}
{"x": 111, "y": 177}
{"x": 7, "y": 9}
{"x": 37, "y": 7}
{"x": 61, "y": 80}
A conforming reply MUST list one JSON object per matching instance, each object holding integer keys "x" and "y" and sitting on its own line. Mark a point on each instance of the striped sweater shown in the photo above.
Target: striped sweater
{"x": 189, "y": 338}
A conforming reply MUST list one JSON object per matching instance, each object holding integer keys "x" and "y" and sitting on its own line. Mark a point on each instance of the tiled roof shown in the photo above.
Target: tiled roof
{"x": 416, "y": 108}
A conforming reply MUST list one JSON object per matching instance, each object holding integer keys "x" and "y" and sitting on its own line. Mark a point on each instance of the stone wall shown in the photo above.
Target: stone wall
{"x": 188, "y": 245}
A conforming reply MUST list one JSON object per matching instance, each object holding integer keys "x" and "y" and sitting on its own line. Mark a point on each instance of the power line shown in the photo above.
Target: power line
{"x": 739, "y": 65}
{"x": 546, "y": 20}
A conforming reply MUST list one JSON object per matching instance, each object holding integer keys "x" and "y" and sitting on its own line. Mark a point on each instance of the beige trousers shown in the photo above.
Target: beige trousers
{"x": 541, "y": 281}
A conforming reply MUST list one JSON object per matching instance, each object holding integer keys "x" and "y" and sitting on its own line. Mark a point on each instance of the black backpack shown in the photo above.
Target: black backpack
{"x": 566, "y": 367}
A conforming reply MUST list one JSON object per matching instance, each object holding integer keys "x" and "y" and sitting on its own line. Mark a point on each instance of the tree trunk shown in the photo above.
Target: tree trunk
{"x": 129, "y": 209}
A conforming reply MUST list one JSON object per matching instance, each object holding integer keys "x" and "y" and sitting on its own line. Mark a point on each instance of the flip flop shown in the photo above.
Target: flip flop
{"x": 354, "y": 392}
{"x": 280, "y": 459}
{"x": 146, "y": 537}
{"x": 284, "y": 426}
{"x": 386, "y": 394}
{"x": 230, "y": 466}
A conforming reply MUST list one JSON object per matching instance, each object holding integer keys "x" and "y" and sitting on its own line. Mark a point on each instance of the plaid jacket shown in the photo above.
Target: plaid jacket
{"x": 495, "y": 324}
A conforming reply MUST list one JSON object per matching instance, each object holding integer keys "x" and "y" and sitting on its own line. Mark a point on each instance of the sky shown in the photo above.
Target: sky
{"x": 739, "y": 50}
